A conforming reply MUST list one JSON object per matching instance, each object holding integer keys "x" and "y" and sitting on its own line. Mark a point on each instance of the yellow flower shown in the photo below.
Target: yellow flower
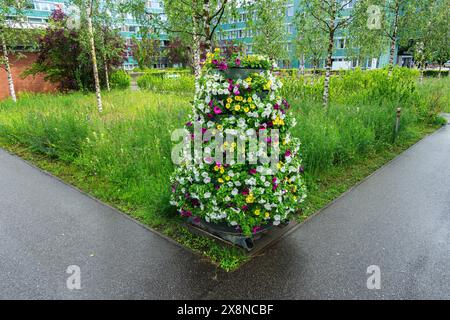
{"x": 216, "y": 50}
{"x": 278, "y": 121}
{"x": 216, "y": 168}
{"x": 248, "y": 80}
{"x": 250, "y": 198}
{"x": 228, "y": 178}
{"x": 229, "y": 100}
{"x": 222, "y": 170}
{"x": 233, "y": 145}
{"x": 225, "y": 144}
{"x": 228, "y": 106}
{"x": 237, "y": 107}
{"x": 257, "y": 212}
{"x": 267, "y": 215}
{"x": 220, "y": 180}
{"x": 279, "y": 165}
{"x": 284, "y": 142}
{"x": 246, "y": 109}
{"x": 268, "y": 85}
{"x": 219, "y": 127}
{"x": 252, "y": 107}
{"x": 249, "y": 99}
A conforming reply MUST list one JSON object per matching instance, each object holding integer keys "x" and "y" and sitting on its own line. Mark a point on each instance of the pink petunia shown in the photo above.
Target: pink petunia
{"x": 217, "y": 110}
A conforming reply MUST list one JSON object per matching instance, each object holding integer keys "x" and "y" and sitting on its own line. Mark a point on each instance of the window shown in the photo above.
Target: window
{"x": 290, "y": 11}
{"x": 340, "y": 43}
{"x": 348, "y": 5}
{"x": 290, "y": 29}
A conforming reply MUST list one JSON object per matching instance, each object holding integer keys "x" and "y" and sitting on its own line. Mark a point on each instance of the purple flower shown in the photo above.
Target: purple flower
{"x": 244, "y": 208}
{"x": 204, "y": 130}
{"x": 186, "y": 213}
{"x": 276, "y": 106}
{"x": 209, "y": 115}
{"x": 189, "y": 124}
{"x": 252, "y": 171}
{"x": 287, "y": 154}
{"x": 238, "y": 61}
{"x": 217, "y": 110}
{"x": 301, "y": 170}
{"x": 215, "y": 62}
{"x": 275, "y": 186}
{"x": 223, "y": 66}
{"x": 256, "y": 229}
{"x": 196, "y": 220}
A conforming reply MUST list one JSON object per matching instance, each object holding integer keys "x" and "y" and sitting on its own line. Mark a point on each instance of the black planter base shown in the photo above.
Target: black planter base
{"x": 230, "y": 236}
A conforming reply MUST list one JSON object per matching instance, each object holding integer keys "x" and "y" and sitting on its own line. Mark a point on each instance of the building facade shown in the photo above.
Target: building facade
{"x": 232, "y": 29}
{"x": 39, "y": 14}
{"x": 236, "y": 30}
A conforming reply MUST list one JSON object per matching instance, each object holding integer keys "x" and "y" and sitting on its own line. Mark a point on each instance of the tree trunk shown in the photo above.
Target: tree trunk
{"x": 303, "y": 65}
{"x": 206, "y": 25}
{"x": 439, "y": 72}
{"x": 108, "y": 87}
{"x": 94, "y": 57}
{"x": 394, "y": 36}
{"x": 421, "y": 73}
{"x": 196, "y": 55}
{"x": 12, "y": 90}
{"x": 329, "y": 64}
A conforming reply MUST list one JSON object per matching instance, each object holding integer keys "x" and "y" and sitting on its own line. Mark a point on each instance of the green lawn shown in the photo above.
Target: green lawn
{"x": 123, "y": 156}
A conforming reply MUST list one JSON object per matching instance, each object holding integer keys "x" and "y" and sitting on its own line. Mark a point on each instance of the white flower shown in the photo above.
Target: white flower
{"x": 267, "y": 206}
{"x": 227, "y": 199}
{"x": 237, "y": 183}
{"x": 235, "y": 192}
{"x": 207, "y": 195}
{"x": 207, "y": 180}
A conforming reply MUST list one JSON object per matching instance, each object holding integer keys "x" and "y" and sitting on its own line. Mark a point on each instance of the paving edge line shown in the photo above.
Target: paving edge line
{"x": 195, "y": 253}
{"x": 116, "y": 210}
{"x": 345, "y": 193}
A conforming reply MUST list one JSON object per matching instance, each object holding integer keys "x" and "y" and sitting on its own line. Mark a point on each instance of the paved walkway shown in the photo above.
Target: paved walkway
{"x": 398, "y": 219}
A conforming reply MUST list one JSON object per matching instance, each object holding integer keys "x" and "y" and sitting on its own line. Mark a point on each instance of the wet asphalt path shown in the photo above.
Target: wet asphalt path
{"x": 398, "y": 220}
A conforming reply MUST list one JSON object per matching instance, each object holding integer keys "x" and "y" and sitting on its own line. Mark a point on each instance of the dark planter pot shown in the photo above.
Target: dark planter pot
{"x": 231, "y": 234}
{"x": 238, "y": 73}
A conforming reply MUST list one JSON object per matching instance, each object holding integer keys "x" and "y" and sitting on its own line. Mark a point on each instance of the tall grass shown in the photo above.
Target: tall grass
{"x": 129, "y": 146}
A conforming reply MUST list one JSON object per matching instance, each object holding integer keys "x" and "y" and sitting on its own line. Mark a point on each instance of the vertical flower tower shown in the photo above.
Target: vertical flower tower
{"x": 240, "y": 201}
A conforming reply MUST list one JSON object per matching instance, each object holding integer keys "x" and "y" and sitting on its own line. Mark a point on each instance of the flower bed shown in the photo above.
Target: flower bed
{"x": 239, "y": 96}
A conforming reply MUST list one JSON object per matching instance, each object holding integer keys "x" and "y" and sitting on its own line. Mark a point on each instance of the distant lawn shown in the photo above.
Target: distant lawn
{"x": 123, "y": 156}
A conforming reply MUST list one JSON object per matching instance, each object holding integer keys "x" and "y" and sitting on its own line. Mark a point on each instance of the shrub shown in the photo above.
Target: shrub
{"x": 120, "y": 79}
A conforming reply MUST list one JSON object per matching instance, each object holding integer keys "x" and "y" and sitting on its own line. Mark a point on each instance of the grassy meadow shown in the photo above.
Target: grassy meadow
{"x": 123, "y": 155}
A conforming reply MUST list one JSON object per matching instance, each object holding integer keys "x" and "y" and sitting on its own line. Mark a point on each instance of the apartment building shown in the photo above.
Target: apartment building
{"x": 39, "y": 14}
{"x": 236, "y": 30}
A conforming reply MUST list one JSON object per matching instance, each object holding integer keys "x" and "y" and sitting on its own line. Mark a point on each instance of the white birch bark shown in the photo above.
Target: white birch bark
{"x": 94, "y": 57}
{"x": 12, "y": 90}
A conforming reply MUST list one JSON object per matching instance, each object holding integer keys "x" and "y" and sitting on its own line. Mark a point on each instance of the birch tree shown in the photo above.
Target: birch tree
{"x": 329, "y": 16}
{"x": 11, "y": 18}
{"x": 197, "y": 21}
{"x": 378, "y": 24}
{"x": 86, "y": 9}
{"x": 268, "y": 26}
{"x": 311, "y": 42}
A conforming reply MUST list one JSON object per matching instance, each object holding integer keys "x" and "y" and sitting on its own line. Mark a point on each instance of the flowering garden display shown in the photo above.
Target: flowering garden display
{"x": 238, "y": 97}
